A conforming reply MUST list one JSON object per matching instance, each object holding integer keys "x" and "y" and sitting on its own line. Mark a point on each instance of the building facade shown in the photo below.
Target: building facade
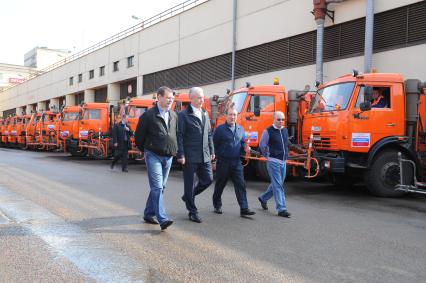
{"x": 274, "y": 38}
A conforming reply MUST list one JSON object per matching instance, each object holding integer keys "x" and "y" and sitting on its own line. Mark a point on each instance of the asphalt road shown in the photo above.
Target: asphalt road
{"x": 75, "y": 220}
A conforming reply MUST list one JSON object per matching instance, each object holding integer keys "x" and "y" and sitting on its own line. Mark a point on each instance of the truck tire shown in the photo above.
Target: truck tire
{"x": 384, "y": 174}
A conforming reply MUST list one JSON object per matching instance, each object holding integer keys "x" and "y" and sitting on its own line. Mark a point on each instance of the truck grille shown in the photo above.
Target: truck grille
{"x": 324, "y": 140}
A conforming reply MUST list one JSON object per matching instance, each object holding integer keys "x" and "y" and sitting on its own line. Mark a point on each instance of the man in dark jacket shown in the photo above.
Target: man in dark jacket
{"x": 274, "y": 146}
{"x": 156, "y": 137}
{"x": 195, "y": 150}
{"x": 121, "y": 141}
{"x": 229, "y": 143}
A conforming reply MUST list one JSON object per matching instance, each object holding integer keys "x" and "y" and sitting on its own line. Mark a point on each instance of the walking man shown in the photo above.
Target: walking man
{"x": 274, "y": 146}
{"x": 229, "y": 143}
{"x": 195, "y": 151}
{"x": 156, "y": 137}
{"x": 121, "y": 141}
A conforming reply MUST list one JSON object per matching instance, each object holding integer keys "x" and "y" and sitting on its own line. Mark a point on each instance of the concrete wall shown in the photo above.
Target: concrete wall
{"x": 206, "y": 31}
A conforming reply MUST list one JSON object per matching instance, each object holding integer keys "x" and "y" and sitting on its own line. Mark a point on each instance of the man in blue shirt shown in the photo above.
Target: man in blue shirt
{"x": 229, "y": 142}
{"x": 274, "y": 146}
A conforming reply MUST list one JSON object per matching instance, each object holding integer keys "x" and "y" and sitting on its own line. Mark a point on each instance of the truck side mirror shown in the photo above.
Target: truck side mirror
{"x": 368, "y": 94}
{"x": 365, "y": 106}
{"x": 256, "y": 106}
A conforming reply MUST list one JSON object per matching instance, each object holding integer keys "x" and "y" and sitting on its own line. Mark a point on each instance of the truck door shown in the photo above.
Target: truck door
{"x": 254, "y": 126}
{"x": 371, "y": 126}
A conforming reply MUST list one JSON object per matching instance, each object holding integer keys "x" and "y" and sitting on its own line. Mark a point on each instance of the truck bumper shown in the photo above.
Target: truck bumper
{"x": 331, "y": 164}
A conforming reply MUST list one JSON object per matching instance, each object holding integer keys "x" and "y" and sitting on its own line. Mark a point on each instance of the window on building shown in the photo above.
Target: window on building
{"x": 71, "y": 80}
{"x": 91, "y": 74}
{"x": 130, "y": 62}
{"x": 115, "y": 68}
{"x": 101, "y": 71}
{"x": 80, "y": 78}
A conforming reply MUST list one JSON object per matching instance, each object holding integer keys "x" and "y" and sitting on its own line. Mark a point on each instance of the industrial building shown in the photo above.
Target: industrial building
{"x": 221, "y": 44}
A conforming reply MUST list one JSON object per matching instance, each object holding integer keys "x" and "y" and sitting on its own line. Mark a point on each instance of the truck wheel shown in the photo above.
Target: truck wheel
{"x": 384, "y": 175}
{"x": 262, "y": 171}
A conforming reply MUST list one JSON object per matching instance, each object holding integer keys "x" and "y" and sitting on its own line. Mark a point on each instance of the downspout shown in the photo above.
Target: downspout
{"x": 234, "y": 43}
{"x": 369, "y": 28}
{"x": 320, "y": 8}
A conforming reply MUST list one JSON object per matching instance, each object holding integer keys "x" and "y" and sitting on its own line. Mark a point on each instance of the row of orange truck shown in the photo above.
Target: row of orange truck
{"x": 334, "y": 130}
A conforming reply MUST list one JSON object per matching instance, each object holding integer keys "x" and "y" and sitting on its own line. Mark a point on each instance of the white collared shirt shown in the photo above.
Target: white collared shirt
{"x": 164, "y": 113}
{"x": 198, "y": 113}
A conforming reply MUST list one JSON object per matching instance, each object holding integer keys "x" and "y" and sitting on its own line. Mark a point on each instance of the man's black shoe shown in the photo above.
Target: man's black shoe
{"x": 183, "y": 199}
{"x": 284, "y": 213}
{"x": 195, "y": 218}
{"x": 218, "y": 210}
{"x": 150, "y": 220}
{"x": 166, "y": 224}
{"x": 263, "y": 204}
{"x": 125, "y": 170}
{"x": 246, "y": 212}
{"x": 112, "y": 166}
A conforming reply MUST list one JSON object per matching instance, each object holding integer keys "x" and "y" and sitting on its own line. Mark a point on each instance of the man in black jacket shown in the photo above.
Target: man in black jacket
{"x": 156, "y": 137}
{"x": 121, "y": 141}
{"x": 196, "y": 150}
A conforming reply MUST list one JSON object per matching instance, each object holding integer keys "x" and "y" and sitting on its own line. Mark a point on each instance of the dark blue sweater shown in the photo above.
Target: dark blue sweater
{"x": 228, "y": 144}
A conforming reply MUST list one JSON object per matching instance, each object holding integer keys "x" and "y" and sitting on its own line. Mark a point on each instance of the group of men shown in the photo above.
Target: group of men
{"x": 162, "y": 134}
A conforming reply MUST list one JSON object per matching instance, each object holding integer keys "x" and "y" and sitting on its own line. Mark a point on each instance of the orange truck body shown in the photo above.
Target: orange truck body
{"x": 92, "y": 135}
{"x": 350, "y": 142}
{"x": 68, "y": 124}
{"x": 267, "y": 99}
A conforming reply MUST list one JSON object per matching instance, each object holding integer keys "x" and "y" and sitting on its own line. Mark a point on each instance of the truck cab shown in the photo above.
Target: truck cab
{"x": 255, "y": 106}
{"x": 353, "y": 135}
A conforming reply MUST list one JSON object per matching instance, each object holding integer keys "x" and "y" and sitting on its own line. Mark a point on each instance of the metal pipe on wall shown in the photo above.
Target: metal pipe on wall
{"x": 234, "y": 42}
{"x": 369, "y": 28}
{"x": 320, "y": 8}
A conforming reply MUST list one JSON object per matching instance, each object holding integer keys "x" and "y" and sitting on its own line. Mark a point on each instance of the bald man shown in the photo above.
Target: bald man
{"x": 274, "y": 146}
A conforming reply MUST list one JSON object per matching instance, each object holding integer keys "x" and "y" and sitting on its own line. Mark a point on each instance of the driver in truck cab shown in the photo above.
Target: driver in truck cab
{"x": 378, "y": 99}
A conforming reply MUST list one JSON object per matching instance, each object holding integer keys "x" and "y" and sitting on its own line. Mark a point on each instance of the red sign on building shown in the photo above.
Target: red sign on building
{"x": 16, "y": 80}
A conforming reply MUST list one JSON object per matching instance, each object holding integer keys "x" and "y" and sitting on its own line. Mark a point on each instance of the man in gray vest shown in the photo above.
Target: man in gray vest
{"x": 274, "y": 146}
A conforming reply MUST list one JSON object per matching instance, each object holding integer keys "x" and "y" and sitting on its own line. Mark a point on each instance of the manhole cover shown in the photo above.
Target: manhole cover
{"x": 3, "y": 219}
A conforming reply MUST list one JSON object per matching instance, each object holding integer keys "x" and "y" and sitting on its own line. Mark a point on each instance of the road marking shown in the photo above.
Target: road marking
{"x": 91, "y": 256}
{"x": 3, "y": 219}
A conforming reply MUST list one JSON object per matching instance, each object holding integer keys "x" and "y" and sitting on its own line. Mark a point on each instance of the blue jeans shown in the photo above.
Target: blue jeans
{"x": 158, "y": 170}
{"x": 276, "y": 172}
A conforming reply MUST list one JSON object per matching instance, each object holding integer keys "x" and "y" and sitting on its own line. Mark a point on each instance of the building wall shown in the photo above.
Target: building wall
{"x": 206, "y": 31}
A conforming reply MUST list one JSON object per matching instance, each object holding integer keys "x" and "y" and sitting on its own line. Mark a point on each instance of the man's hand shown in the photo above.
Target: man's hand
{"x": 247, "y": 149}
{"x": 213, "y": 157}
{"x": 181, "y": 160}
{"x": 115, "y": 144}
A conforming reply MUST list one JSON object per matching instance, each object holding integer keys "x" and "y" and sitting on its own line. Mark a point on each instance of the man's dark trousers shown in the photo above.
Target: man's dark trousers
{"x": 121, "y": 152}
{"x": 233, "y": 169}
{"x": 205, "y": 178}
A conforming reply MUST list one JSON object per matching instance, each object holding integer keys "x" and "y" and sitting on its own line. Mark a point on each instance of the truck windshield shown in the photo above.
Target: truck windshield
{"x": 332, "y": 98}
{"x": 70, "y": 116}
{"x": 238, "y": 99}
{"x": 136, "y": 111}
{"x": 92, "y": 114}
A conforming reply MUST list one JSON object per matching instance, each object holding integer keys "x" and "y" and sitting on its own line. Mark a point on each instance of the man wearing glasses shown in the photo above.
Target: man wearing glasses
{"x": 274, "y": 146}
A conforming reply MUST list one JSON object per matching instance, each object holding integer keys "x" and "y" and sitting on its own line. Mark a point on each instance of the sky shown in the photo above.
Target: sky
{"x": 73, "y": 25}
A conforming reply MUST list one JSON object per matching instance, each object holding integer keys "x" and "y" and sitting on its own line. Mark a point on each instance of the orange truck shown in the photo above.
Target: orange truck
{"x": 92, "y": 136}
{"x": 68, "y": 124}
{"x": 16, "y": 131}
{"x": 42, "y": 131}
{"x": 354, "y": 138}
{"x": 256, "y": 106}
